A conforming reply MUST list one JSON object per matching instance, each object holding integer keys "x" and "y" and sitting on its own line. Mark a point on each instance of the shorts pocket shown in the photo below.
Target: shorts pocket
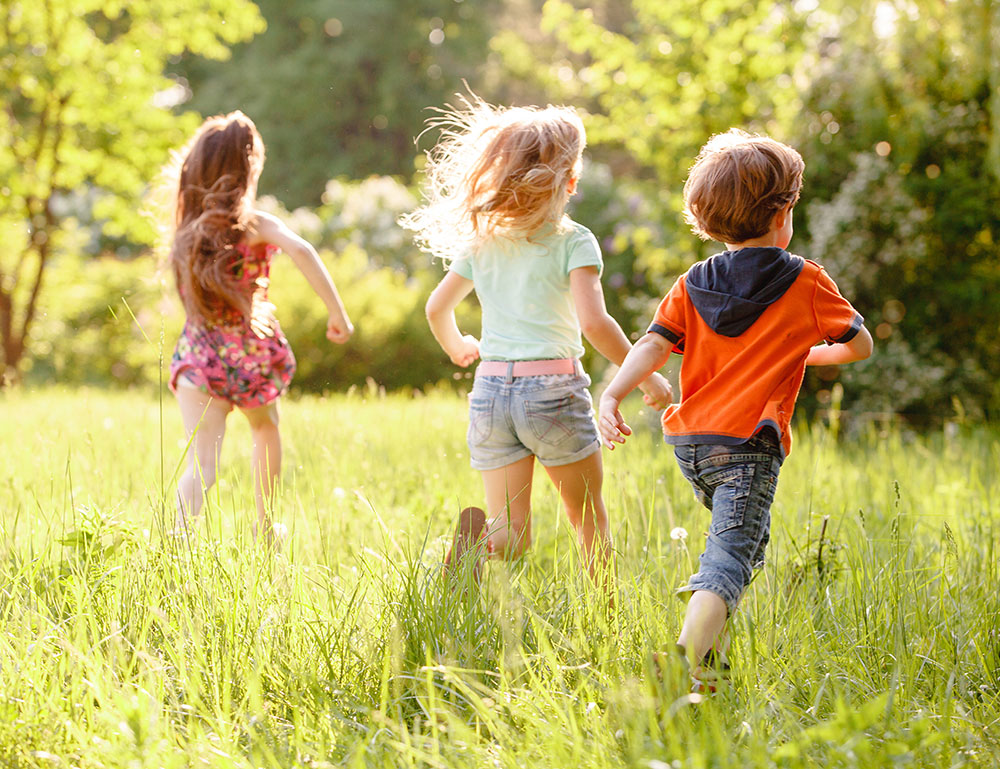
{"x": 480, "y": 420}
{"x": 731, "y": 492}
{"x": 550, "y": 416}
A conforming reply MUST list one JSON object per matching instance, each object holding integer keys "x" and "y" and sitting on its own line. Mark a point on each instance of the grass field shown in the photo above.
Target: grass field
{"x": 871, "y": 639}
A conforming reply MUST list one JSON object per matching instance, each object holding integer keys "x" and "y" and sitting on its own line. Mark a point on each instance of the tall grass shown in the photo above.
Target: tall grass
{"x": 871, "y": 639}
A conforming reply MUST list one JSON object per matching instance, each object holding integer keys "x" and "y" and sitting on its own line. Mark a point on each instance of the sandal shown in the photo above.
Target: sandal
{"x": 708, "y": 676}
{"x": 471, "y": 526}
{"x": 711, "y": 673}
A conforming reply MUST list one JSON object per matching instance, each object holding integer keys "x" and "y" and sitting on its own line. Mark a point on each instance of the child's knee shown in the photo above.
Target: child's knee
{"x": 204, "y": 473}
{"x": 589, "y": 514}
{"x": 263, "y": 418}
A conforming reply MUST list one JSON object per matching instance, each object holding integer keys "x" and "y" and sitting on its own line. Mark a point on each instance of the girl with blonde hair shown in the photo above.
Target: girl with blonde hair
{"x": 498, "y": 183}
{"x": 232, "y": 352}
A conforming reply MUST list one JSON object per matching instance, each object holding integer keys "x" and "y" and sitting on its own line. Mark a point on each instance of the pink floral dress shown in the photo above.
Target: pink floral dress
{"x": 246, "y": 361}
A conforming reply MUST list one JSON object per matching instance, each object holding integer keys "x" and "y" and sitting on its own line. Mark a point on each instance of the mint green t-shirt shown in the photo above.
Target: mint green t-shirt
{"x": 523, "y": 288}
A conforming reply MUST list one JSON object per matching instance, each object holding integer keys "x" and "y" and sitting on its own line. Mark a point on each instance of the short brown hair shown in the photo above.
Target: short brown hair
{"x": 738, "y": 183}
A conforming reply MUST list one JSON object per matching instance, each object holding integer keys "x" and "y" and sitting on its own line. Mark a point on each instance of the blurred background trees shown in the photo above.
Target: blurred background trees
{"x": 895, "y": 107}
{"x": 85, "y": 124}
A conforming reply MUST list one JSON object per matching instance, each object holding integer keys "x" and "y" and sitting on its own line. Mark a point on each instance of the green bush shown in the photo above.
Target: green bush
{"x": 392, "y": 343}
{"x": 101, "y": 321}
{"x": 103, "y": 318}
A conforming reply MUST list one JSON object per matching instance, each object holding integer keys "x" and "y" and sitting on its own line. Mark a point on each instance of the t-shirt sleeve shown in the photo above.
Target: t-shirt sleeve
{"x": 836, "y": 318}
{"x": 669, "y": 319}
{"x": 461, "y": 267}
{"x": 584, "y": 251}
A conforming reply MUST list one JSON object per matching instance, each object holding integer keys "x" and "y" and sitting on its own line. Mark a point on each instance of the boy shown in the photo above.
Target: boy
{"x": 746, "y": 321}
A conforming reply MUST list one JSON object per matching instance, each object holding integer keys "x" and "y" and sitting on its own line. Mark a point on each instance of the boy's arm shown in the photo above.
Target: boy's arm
{"x": 648, "y": 355}
{"x": 440, "y": 310}
{"x": 859, "y": 348}
{"x": 270, "y": 229}
{"x": 607, "y": 337}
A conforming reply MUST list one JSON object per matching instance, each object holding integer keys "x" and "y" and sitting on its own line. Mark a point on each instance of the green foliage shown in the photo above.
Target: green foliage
{"x": 384, "y": 280}
{"x": 887, "y": 254}
{"x": 109, "y": 320}
{"x": 341, "y": 88}
{"x": 912, "y": 240}
{"x": 895, "y": 109}
{"x": 123, "y": 647}
{"x": 392, "y": 344}
{"x": 101, "y": 321}
{"x": 84, "y": 91}
{"x": 676, "y": 72}
{"x": 896, "y": 131}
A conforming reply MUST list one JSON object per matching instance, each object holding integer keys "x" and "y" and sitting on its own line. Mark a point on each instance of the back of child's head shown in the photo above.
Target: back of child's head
{"x": 215, "y": 178}
{"x": 738, "y": 183}
{"x": 496, "y": 171}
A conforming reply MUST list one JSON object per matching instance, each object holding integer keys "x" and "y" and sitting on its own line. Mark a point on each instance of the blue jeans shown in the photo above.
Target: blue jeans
{"x": 737, "y": 484}
{"x": 549, "y": 416}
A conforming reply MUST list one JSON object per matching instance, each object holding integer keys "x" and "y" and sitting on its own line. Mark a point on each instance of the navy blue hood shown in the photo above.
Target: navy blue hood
{"x": 732, "y": 289}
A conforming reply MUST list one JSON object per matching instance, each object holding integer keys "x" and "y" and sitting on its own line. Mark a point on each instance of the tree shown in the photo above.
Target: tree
{"x": 895, "y": 107}
{"x": 86, "y": 120}
{"x": 341, "y": 88}
{"x": 655, "y": 79}
{"x": 899, "y": 129}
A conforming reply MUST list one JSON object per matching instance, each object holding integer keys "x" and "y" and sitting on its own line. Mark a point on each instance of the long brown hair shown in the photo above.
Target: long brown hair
{"x": 216, "y": 183}
{"x": 496, "y": 171}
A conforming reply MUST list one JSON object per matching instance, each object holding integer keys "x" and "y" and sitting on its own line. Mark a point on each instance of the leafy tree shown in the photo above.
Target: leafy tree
{"x": 895, "y": 107}
{"x": 655, "y": 79}
{"x": 86, "y": 107}
{"x": 341, "y": 88}
{"x": 899, "y": 127}
{"x": 662, "y": 76}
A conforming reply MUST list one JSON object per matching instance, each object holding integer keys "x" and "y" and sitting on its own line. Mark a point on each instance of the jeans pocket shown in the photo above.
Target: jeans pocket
{"x": 550, "y": 416}
{"x": 480, "y": 419}
{"x": 731, "y": 491}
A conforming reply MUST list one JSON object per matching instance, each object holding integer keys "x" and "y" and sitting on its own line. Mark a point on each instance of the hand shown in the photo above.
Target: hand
{"x": 262, "y": 320}
{"x": 339, "y": 330}
{"x": 611, "y": 424}
{"x": 656, "y": 391}
{"x": 466, "y": 353}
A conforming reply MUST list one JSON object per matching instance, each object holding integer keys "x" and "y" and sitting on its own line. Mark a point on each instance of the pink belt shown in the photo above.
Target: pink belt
{"x": 515, "y": 368}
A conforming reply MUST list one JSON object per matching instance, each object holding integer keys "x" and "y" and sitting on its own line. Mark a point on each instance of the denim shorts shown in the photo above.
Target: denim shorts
{"x": 737, "y": 484}
{"x": 549, "y": 416}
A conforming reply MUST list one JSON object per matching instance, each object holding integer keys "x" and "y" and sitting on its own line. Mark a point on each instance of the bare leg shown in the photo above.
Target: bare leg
{"x": 266, "y": 463}
{"x": 204, "y": 417}
{"x": 580, "y": 486}
{"x": 508, "y": 505}
{"x": 703, "y": 625}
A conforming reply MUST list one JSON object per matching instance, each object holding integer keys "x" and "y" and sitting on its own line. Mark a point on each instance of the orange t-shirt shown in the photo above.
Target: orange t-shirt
{"x": 732, "y": 386}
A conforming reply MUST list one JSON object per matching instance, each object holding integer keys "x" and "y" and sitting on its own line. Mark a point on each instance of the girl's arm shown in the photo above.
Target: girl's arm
{"x": 440, "y": 309}
{"x": 859, "y": 348}
{"x": 647, "y": 356}
{"x": 270, "y": 229}
{"x": 607, "y": 337}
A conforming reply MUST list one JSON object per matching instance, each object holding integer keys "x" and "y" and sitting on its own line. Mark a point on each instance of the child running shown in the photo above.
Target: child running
{"x": 498, "y": 185}
{"x": 746, "y": 321}
{"x": 232, "y": 351}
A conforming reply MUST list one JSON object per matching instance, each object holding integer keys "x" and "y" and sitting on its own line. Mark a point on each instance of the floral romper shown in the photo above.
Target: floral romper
{"x": 245, "y": 361}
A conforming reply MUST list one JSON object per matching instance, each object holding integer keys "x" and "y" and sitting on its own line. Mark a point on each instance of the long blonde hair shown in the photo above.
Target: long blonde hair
{"x": 495, "y": 171}
{"x": 214, "y": 183}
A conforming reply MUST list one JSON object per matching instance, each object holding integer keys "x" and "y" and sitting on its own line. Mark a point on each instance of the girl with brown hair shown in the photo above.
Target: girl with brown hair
{"x": 232, "y": 352}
